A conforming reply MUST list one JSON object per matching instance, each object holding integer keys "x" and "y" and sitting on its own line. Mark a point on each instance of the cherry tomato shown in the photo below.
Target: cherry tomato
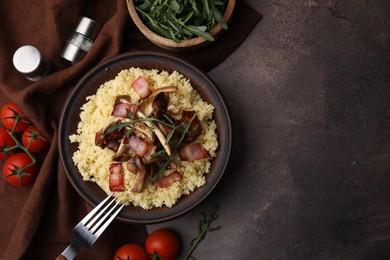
{"x": 33, "y": 136}
{"x": 12, "y": 170}
{"x": 9, "y": 114}
{"x": 164, "y": 242}
{"x": 131, "y": 251}
{"x": 5, "y": 142}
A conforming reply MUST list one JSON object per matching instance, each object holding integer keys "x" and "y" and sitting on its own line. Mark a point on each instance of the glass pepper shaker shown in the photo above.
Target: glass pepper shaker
{"x": 81, "y": 40}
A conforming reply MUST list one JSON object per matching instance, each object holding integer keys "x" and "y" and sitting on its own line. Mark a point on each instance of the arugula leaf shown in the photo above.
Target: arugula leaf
{"x": 180, "y": 20}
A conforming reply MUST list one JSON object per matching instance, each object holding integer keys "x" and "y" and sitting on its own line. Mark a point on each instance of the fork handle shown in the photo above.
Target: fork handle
{"x": 69, "y": 253}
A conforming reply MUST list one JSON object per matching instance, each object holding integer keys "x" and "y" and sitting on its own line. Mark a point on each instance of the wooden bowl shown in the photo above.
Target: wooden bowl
{"x": 185, "y": 45}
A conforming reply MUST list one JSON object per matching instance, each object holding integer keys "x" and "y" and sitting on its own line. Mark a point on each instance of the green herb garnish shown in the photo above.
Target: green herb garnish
{"x": 203, "y": 228}
{"x": 160, "y": 172}
{"x": 184, "y": 128}
{"x": 182, "y": 20}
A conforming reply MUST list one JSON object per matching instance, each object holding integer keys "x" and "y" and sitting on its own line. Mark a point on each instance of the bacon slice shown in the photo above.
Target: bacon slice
{"x": 120, "y": 109}
{"x": 109, "y": 140}
{"x": 195, "y": 127}
{"x": 167, "y": 180}
{"x": 136, "y": 145}
{"x": 141, "y": 87}
{"x": 193, "y": 151}
{"x": 116, "y": 180}
{"x": 148, "y": 154}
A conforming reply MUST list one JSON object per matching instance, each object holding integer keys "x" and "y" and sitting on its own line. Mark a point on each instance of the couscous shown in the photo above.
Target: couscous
{"x": 97, "y": 159}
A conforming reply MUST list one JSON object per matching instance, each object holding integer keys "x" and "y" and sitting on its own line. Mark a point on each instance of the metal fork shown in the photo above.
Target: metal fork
{"x": 88, "y": 230}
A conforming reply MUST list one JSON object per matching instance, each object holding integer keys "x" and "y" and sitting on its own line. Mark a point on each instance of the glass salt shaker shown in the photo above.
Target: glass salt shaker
{"x": 81, "y": 40}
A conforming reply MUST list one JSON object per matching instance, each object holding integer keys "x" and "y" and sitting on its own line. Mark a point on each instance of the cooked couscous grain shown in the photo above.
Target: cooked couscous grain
{"x": 93, "y": 161}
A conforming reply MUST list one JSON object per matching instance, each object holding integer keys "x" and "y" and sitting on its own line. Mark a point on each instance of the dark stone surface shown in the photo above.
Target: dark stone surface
{"x": 310, "y": 173}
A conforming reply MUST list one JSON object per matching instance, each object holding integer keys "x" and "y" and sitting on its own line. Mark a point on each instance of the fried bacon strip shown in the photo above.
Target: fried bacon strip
{"x": 141, "y": 87}
{"x": 136, "y": 144}
{"x": 167, "y": 180}
{"x": 116, "y": 181}
{"x": 195, "y": 127}
{"x": 193, "y": 151}
{"x": 120, "y": 109}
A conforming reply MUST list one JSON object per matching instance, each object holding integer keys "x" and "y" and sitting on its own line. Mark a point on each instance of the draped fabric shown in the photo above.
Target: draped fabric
{"x": 36, "y": 221}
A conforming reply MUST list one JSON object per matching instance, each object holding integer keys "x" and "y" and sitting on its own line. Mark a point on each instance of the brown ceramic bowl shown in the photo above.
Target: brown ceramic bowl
{"x": 185, "y": 45}
{"x": 107, "y": 70}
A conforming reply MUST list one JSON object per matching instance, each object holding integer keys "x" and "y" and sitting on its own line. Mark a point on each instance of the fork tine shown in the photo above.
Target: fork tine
{"x": 99, "y": 230}
{"x": 97, "y": 216}
{"x": 93, "y": 212}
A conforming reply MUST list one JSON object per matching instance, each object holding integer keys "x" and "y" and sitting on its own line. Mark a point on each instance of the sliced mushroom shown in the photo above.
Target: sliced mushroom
{"x": 144, "y": 130}
{"x": 146, "y": 107}
{"x": 122, "y": 154}
{"x": 157, "y": 132}
{"x": 136, "y": 165}
{"x": 159, "y": 104}
{"x": 110, "y": 140}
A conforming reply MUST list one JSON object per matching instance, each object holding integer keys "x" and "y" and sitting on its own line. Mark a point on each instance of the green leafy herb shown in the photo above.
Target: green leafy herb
{"x": 203, "y": 228}
{"x": 183, "y": 128}
{"x": 182, "y": 20}
{"x": 160, "y": 172}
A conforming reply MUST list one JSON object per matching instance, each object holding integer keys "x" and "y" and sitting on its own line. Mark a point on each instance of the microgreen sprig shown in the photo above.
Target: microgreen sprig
{"x": 185, "y": 130}
{"x": 203, "y": 227}
{"x": 160, "y": 172}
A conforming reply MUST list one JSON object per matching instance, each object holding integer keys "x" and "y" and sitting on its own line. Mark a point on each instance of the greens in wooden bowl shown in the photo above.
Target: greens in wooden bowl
{"x": 181, "y": 24}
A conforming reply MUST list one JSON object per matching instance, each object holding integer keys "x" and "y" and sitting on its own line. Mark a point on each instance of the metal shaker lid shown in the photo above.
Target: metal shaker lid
{"x": 27, "y": 59}
{"x": 88, "y": 27}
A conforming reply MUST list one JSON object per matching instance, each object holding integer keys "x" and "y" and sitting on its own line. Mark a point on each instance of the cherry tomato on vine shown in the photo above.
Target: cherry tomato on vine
{"x": 164, "y": 242}
{"x": 131, "y": 251}
{"x": 34, "y": 140}
{"x": 6, "y": 141}
{"x": 15, "y": 174}
{"x": 10, "y": 115}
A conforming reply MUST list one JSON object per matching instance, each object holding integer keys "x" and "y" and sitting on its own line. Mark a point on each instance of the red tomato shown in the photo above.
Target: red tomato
{"x": 33, "y": 137}
{"x": 9, "y": 114}
{"x": 131, "y": 251}
{"x": 5, "y": 141}
{"x": 164, "y": 242}
{"x": 12, "y": 170}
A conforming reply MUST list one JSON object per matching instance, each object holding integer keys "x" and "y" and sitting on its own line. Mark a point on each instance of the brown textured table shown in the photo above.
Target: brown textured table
{"x": 310, "y": 101}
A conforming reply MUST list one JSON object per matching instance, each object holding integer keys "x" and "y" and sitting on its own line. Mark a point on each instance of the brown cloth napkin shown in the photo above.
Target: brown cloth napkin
{"x": 36, "y": 221}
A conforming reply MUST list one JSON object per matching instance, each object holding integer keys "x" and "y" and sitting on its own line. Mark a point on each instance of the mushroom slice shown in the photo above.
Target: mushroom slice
{"x": 157, "y": 132}
{"x": 145, "y": 130}
{"x": 136, "y": 165}
{"x": 160, "y": 104}
{"x": 121, "y": 155}
{"x": 146, "y": 107}
{"x": 112, "y": 120}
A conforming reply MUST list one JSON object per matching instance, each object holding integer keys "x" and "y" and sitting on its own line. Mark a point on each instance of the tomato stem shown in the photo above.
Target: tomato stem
{"x": 25, "y": 149}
